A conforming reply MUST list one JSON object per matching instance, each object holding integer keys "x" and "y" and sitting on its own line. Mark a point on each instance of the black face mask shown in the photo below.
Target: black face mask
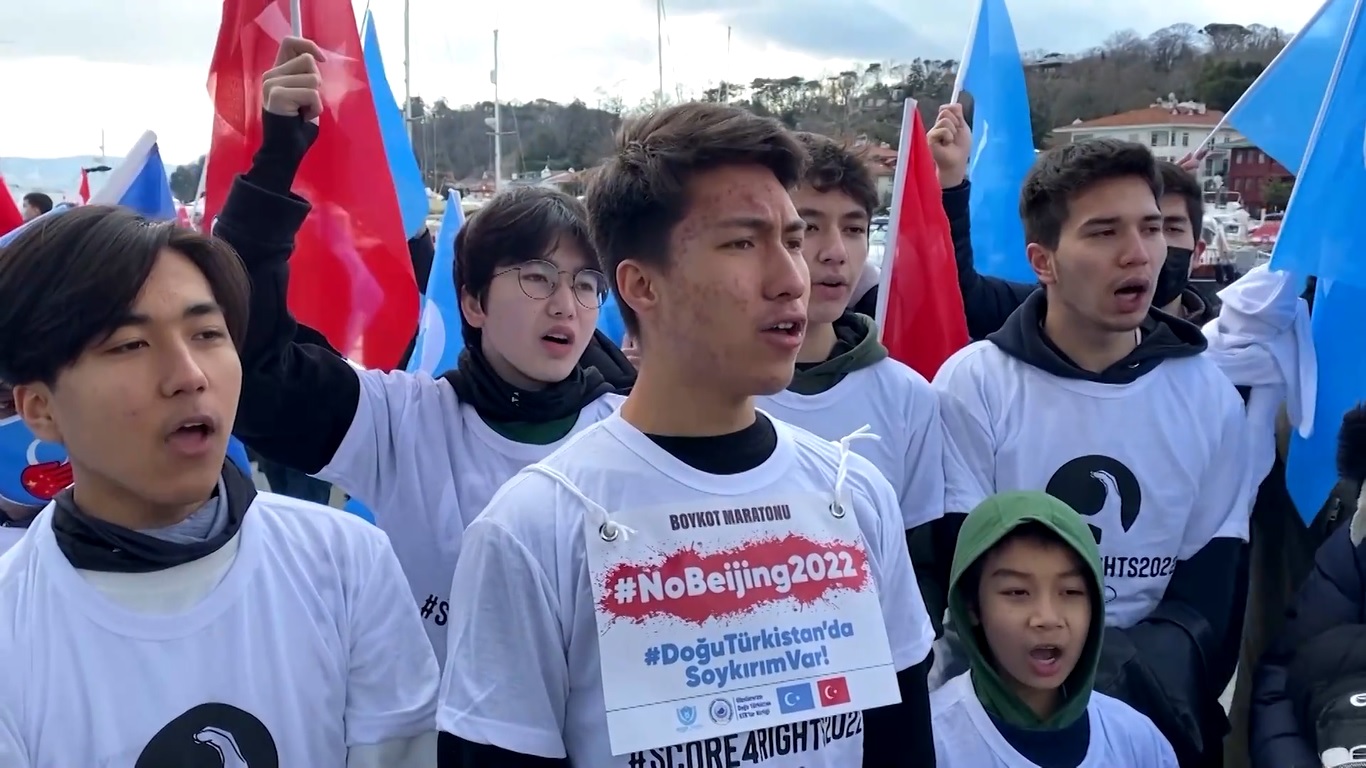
{"x": 1175, "y": 274}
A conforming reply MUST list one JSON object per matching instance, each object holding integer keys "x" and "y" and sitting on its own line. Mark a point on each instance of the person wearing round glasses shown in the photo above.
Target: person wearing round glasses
{"x": 424, "y": 453}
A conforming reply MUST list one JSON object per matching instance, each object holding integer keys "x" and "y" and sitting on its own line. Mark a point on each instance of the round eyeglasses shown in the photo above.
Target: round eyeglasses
{"x": 540, "y": 279}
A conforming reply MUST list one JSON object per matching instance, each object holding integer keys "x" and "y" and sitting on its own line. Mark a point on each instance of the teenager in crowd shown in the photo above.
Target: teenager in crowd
{"x": 1309, "y": 692}
{"x": 844, "y": 378}
{"x": 988, "y": 301}
{"x": 36, "y": 204}
{"x": 692, "y": 216}
{"x": 1091, "y": 395}
{"x": 162, "y": 607}
{"x": 423, "y": 454}
{"x": 1029, "y": 592}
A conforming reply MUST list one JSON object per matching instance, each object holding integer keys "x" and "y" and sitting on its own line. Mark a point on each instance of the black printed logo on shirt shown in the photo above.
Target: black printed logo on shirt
{"x": 1100, "y": 488}
{"x": 211, "y": 736}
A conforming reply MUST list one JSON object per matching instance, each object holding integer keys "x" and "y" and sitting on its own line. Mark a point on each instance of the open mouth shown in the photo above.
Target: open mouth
{"x": 555, "y": 338}
{"x": 788, "y": 328}
{"x": 1132, "y": 288}
{"x": 1046, "y": 653}
{"x": 201, "y": 428}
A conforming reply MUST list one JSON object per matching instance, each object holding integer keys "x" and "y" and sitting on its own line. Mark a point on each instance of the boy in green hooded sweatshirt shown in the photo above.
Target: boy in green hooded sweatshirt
{"x": 1026, "y": 579}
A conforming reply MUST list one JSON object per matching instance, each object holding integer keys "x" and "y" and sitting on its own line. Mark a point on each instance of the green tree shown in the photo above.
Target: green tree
{"x": 1276, "y": 194}
{"x": 185, "y": 180}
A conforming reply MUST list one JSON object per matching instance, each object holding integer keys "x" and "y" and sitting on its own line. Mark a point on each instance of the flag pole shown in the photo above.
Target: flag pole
{"x": 296, "y": 18}
{"x": 407, "y": 72}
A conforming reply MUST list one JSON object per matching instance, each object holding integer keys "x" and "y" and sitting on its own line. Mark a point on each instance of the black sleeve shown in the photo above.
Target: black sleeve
{"x": 1330, "y": 597}
{"x": 1186, "y": 649}
{"x": 931, "y": 547}
{"x": 422, "y": 252}
{"x": 987, "y": 301}
{"x": 455, "y": 752}
{"x": 298, "y": 399}
{"x": 900, "y": 735}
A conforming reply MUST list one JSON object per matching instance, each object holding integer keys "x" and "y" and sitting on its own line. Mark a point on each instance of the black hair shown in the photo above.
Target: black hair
{"x": 1178, "y": 181}
{"x": 1031, "y": 531}
{"x": 517, "y": 225}
{"x": 834, "y": 167}
{"x": 67, "y": 281}
{"x": 39, "y": 201}
{"x": 1062, "y": 173}
{"x": 640, "y": 194}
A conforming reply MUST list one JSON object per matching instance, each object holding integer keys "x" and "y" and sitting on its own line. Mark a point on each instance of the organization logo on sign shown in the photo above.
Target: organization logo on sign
{"x": 721, "y": 711}
{"x": 687, "y": 718}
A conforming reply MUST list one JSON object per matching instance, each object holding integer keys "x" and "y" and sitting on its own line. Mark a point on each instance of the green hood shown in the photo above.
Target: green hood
{"x": 984, "y": 527}
{"x": 856, "y": 347}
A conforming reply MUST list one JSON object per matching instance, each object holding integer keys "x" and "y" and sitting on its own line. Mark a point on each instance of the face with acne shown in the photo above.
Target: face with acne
{"x": 731, "y": 298}
{"x": 1034, "y": 610}
{"x": 145, "y": 414}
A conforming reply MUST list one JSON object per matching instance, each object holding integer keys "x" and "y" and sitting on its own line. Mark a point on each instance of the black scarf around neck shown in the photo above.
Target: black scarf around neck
{"x": 476, "y": 383}
{"x": 91, "y": 544}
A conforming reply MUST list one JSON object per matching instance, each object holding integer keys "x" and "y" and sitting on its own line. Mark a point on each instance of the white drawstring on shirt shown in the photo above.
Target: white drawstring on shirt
{"x": 842, "y": 471}
{"x": 608, "y": 528}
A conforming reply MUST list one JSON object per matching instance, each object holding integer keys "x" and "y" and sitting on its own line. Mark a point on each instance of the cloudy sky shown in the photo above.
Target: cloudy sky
{"x": 73, "y": 68}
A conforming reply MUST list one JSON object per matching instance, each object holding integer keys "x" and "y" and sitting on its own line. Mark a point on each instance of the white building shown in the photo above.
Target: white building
{"x": 1170, "y": 128}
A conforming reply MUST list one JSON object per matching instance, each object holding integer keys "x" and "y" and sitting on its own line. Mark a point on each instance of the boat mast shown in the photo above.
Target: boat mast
{"x": 659, "y": 48}
{"x": 497, "y": 123}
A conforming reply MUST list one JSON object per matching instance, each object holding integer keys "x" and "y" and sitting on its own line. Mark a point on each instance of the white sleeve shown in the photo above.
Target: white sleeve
{"x": 909, "y": 631}
{"x": 922, "y": 491}
{"x": 970, "y": 445}
{"x": 392, "y": 674}
{"x": 12, "y": 751}
{"x": 1223, "y": 508}
{"x": 394, "y": 458}
{"x": 506, "y": 681}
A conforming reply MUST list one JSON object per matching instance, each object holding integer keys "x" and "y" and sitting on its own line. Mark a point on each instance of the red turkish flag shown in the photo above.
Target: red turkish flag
{"x": 920, "y": 310}
{"x": 350, "y": 276}
{"x": 10, "y": 217}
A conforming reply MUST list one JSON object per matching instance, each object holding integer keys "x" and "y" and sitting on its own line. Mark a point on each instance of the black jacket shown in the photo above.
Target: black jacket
{"x": 1306, "y": 662}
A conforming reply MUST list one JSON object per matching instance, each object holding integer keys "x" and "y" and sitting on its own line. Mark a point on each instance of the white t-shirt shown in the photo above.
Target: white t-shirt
{"x": 898, "y": 406}
{"x": 523, "y": 669}
{"x": 425, "y": 465}
{"x": 304, "y": 649}
{"x": 1157, "y": 466}
{"x": 965, "y": 736}
{"x": 9, "y": 536}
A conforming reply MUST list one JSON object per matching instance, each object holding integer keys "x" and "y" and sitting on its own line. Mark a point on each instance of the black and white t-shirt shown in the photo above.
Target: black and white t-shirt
{"x": 524, "y": 668}
{"x": 425, "y": 465}
{"x": 898, "y": 406}
{"x": 1138, "y": 460}
{"x": 293, "y": 644}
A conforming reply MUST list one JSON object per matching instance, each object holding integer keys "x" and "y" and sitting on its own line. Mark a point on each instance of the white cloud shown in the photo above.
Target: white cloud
{"x": 74, "y": 68}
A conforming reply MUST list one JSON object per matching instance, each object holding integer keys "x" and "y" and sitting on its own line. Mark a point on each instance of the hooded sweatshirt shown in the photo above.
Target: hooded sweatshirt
{"x": 1066, "y": 733}
{"x": 856, "y": 347}
{"x": 1011, "y": 734}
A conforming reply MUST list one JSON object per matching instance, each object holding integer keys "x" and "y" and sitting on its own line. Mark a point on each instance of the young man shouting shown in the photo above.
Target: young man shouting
{"x": 690, "y": 583}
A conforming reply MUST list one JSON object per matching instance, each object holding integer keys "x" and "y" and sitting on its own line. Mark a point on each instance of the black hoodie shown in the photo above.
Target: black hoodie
{"x": 1173, "y": 665}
